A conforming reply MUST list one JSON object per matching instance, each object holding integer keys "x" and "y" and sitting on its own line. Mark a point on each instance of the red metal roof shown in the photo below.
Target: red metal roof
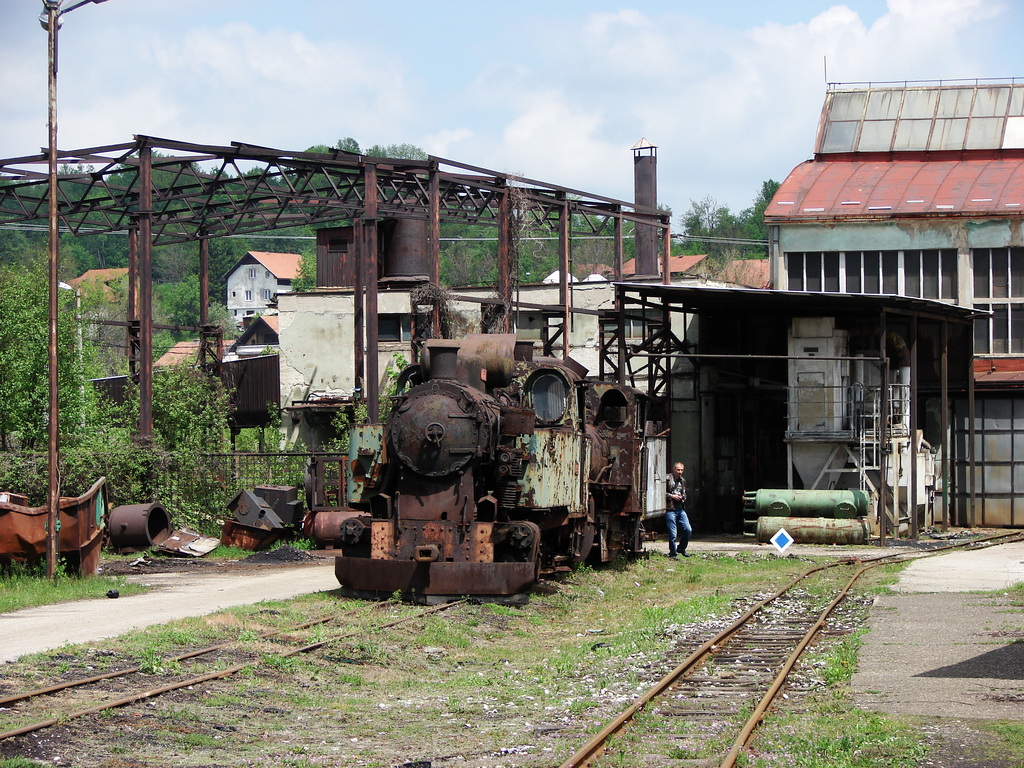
{"x": 999, "y": 372}
{"x": 676, "y": 264}
{"x": 852, "y": 188}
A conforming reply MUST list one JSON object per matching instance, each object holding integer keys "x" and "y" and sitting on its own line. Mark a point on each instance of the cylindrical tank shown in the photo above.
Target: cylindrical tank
{"x": 405, "y": 254}
{"x": 815, "y": 530}
{"x": 775, "y": 502}
{"x": 134, "y": 527}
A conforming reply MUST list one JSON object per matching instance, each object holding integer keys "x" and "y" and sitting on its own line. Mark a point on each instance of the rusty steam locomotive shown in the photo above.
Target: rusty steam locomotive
{"x": 492, "y": 469}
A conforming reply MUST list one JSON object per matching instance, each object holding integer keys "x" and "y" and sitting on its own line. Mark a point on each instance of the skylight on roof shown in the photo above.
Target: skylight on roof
{"x": 922, "y": 118}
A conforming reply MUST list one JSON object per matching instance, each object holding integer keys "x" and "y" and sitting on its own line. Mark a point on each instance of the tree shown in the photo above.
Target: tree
{"x": 713, "y": 229}
{"x": 24, "y": 360}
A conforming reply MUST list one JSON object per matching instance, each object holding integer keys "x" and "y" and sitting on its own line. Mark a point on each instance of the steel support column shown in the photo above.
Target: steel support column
{"x": 883, "y": 432}
{"x": 912, "y": 449}
{"x": 53, "y": 427}
{"x": 369, "y": 223}
{"x": 944, "y": 425}
{"x": 563, "y": 268}
{"x": 146, "y": 294}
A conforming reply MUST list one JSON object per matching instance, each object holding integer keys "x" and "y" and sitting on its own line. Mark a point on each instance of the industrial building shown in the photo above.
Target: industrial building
{"x": 917, "y": 190}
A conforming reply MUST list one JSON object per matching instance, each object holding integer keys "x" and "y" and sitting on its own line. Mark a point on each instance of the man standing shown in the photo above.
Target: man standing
{"x": 676, "y": 521}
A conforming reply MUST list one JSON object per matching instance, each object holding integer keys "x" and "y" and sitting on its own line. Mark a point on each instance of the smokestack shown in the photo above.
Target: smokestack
{"x": 645, "y": 193}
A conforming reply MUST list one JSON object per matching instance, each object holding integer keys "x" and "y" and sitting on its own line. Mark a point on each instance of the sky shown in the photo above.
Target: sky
{"x": 729, "y": 92}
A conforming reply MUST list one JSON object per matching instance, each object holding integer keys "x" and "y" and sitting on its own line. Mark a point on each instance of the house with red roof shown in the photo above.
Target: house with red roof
{"x": 257, "y": 278}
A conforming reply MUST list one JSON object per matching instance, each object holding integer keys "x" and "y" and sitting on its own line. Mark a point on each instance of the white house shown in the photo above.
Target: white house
{"x": 257, "y": 278}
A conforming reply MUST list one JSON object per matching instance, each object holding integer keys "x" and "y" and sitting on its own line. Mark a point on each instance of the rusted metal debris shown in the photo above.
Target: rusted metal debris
{"x": 138, "y": 527}
{"x": 187, "y": 543}
{"x": 81, "y": 522}
{"x": 262, "y": 516}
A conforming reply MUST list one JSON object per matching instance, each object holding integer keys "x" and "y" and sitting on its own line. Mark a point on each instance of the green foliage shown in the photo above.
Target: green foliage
{"x": 707, "y": 218}
{"x": 23, "y": 586}
{"x": 24, "y": 359}
{"x": 305, "y": 278}
{"x": 180, "y": 300}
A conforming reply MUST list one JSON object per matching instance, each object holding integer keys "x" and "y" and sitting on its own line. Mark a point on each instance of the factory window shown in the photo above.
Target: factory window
{"x": 922, "y": 274}
{"x": 636, "y": 326}
{"x": 393, "y": 327}
{"x": 999, "y": 274}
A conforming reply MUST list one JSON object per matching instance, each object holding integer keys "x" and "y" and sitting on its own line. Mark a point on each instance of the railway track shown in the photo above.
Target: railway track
{"x": 61, "y": 702}
{"x": 728, "y": 683}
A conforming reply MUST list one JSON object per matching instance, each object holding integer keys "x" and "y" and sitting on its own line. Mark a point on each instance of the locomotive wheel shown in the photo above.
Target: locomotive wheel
{"x": 584, "y": 541}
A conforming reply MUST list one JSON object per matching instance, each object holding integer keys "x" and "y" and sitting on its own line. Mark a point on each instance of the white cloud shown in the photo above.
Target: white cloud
{"x": 560, "y": 96}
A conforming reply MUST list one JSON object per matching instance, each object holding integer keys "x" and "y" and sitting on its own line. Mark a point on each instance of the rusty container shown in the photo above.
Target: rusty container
{"x": 138, "y": 527}
{"x": 81, "y": 522}
{"x": 247, "y": 537}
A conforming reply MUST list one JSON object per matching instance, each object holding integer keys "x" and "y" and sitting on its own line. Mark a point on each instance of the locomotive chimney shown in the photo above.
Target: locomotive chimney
{"x": 645, "y": 193}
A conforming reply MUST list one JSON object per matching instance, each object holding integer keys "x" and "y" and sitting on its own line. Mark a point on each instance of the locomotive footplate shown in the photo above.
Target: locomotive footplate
{"x": 434, "y": 582}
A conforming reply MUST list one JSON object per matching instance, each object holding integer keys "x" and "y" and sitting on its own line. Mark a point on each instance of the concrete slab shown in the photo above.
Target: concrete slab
{"x": 979, "y": 570}
{"x": 945, "y": 644}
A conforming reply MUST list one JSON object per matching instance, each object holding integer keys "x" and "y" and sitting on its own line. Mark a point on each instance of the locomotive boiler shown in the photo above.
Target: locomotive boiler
{"x": 492, "y": 469}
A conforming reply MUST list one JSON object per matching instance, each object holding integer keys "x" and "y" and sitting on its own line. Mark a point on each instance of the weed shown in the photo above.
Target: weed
{"x": 152, "y": 662}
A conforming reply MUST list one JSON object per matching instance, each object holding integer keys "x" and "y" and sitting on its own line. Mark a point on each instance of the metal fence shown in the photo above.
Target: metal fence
{"x": 195, "y": 491}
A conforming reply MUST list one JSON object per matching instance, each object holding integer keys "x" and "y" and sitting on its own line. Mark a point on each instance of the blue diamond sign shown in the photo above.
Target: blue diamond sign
{"x": 782, "y": 541}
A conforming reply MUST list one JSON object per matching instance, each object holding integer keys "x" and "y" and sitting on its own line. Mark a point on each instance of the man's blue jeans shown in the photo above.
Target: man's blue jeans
{"x": 678, "y": 525}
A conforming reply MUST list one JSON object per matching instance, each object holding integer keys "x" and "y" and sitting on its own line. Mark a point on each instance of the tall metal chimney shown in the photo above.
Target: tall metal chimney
{"x": 645, "y": 192}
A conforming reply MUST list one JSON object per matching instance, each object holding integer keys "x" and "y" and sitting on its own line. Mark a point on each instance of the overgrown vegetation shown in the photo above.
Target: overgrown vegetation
{"x": 496, "y": 685}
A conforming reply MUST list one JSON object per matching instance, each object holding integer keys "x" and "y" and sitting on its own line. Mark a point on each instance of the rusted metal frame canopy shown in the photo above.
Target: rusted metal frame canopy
{"x": 172, "y": 199}
{"x": 282, "y": 189}
{"x": 649, "y": 359}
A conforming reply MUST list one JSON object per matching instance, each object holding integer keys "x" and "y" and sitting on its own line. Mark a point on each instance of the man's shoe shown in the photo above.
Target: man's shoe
{"x": 685, "y": 554}
{"x": 673, "y": 556}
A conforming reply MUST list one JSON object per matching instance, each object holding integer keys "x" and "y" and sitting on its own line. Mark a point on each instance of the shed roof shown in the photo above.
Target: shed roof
{"x": 873, "y": 188}
{"x": 703, "y": 299}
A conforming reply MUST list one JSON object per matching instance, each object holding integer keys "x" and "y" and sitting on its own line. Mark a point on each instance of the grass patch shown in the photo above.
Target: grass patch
{"x": 1012, "y": 736}
{"x": 834, "y": 734}
{"x": 25, "y": 586}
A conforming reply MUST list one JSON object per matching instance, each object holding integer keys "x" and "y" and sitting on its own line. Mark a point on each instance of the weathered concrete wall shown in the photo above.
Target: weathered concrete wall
{"x": 961, "y": 234}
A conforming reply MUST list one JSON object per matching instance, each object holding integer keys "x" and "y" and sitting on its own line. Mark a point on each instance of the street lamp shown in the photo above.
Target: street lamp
{"x": 50, "y": 20}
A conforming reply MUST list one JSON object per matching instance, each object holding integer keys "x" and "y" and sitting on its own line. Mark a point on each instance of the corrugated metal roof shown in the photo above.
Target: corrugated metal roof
{"x": 886, "y": 188}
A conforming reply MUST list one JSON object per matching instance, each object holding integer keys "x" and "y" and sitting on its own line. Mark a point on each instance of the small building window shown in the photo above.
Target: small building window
{"x": 266, "y": 294}
{"x": 393, "y": 327}
{"x": 248, "y": 295}
{"x": 252, "y": 272}
{"x": 267, "y": 274}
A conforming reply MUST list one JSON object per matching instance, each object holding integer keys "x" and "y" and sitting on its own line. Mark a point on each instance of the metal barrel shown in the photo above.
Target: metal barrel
{"x": 815, "y": 530}
{"x": 138, "y": 526}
